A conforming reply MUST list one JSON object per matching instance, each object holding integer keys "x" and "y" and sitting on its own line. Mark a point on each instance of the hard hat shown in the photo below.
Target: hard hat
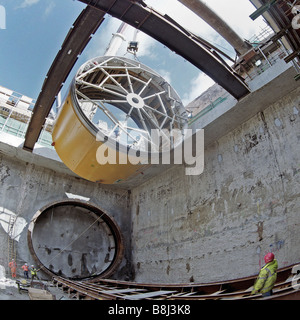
{"x": 269, "y": 257}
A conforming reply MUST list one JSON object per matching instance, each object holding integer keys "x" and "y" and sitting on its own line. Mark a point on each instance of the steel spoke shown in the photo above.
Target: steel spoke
{"x": 137, "y": 92}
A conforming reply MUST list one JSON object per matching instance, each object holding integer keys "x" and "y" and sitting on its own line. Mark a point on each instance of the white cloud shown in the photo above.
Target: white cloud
{"x": 166, "y": 74}
{"x": 198, "y": 85}
{"x": 49, "y": 5}
{"x": 102, "y": 38}
{"x": 146, "y": 45}
{"x": 49, "y": 8}
{"x": 234, "y": 12}
{"x": 28, "y": 3}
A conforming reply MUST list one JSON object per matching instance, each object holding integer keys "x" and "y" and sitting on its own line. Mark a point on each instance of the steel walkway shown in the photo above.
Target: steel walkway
{"x": 239, "y": 289}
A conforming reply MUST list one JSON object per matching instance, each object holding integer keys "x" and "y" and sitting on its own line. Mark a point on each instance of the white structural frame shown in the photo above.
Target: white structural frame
{"x": 126, "y": 82}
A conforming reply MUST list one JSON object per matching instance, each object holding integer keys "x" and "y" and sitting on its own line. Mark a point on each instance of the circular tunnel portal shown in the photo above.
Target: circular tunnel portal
{"x": 75, "y": 240}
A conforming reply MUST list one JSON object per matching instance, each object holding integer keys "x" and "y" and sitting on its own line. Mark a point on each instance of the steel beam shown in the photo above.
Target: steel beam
{"x": 218, "y": 24}
{"x": 79, "y": 35}
{"x": 161, "y": 28}
{"x": 168, "y": 32}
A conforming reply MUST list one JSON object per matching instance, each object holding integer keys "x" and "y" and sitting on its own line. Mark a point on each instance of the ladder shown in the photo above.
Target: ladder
{"x": 11, "y": 242}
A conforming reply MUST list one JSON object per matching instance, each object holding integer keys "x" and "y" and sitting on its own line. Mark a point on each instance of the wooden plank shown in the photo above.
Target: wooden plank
{"x": 291, "y": 295}
{"x": 147, "y": 295}
{"x": 127, "y": 290}
{"x": 106, "y": 289}
{"x": 40, "y": 294}
{"x": 217, "y": 292}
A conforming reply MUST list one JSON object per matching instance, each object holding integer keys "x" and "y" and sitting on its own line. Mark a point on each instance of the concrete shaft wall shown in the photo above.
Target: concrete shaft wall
{"x": 219, "y": 225}
{"x": 180, "y": 228}
{"x": 26, "y": 188}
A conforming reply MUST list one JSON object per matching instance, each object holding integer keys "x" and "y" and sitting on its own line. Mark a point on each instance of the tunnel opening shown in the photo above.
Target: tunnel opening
{"x": 75, "y": 240}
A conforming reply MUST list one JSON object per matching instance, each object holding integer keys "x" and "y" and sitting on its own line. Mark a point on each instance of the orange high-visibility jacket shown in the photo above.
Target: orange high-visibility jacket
{"x": 12, "y": 265}
{"x": 25, "y": 268}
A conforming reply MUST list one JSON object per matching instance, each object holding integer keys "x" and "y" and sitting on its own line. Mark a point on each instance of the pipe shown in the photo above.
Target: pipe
{"x": 218, "y": 24}
{"x": 116, "y": 41}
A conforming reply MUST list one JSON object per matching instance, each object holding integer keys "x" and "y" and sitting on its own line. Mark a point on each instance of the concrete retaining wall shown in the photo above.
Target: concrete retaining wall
{"x": 219, "y": 225}
{"x": 25, "y": 188}
{"x": 179, "y": 228}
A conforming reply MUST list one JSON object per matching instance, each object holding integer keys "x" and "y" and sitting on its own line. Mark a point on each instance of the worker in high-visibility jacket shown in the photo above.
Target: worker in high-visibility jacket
{"x": 13, "y": 268}
{"x": 25, "y": 269}
{"x": 33, "y": 272}
{"x": 267, "y": 276}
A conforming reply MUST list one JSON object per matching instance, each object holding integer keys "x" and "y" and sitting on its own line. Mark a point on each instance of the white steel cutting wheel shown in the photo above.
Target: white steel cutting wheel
{"x": 125, "y": 100}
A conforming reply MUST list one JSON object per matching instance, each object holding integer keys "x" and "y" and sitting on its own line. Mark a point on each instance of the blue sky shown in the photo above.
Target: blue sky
{"x": 33, "y": 35}
{"x": 35, "y": 30}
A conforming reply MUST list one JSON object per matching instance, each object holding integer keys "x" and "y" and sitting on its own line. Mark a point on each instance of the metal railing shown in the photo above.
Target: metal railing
{"x": 262, "y": 66}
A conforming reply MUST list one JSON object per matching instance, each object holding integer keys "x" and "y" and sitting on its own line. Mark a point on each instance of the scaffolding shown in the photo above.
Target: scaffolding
{"x": 265, "y": 54}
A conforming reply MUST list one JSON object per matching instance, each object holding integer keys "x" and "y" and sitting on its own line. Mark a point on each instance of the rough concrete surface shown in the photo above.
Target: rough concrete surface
{"x": 25, "y": 188}
{"x": 219, "y": 225}
{"x": 178, "y": 228}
